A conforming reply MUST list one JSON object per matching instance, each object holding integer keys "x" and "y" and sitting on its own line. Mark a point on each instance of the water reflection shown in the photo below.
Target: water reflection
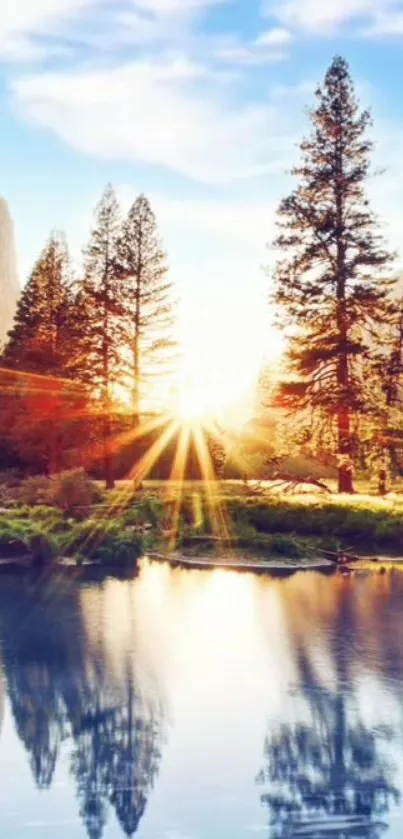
{"x": 210, "y": 676}
{"x": 63, "y": 687}
{"x": 328, "y": 772}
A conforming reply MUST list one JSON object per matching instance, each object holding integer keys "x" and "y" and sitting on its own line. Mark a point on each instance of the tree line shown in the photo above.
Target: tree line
{"x": 81, "y": 344}
{"x": 338, "y": 296}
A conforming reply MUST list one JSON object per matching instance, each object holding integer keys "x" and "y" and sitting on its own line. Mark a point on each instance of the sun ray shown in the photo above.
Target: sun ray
{"x": 35, "y": 377}
{"x": 177, "y": 475}
{"x": 230, "y": 442}
{"x": 140, "y": 470}
{"x": 124, "y": 495}
{"x": 117, "y": 442}
{"x": 219, "y": 520}
{"x": 136, "y": 475}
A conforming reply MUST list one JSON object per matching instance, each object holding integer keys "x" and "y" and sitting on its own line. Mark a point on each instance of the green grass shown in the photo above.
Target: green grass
{"x": 276, "y": 523}
{"x": 124, "y": 524}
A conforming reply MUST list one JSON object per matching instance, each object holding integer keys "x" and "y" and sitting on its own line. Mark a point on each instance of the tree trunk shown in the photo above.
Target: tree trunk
{"x": 54, "y": 467}
{"x": 54, "y": 457}
{"x": 383, "y": 474}
{"x": 345, "y": 471}
{"x": 382, "y": 482}
{"x": 108, "y": 467}
{"x": 343, "y": 373}
{"x": 136, "y": 353}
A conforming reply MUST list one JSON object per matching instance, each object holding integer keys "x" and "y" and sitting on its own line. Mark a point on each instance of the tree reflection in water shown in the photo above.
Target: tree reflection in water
{"x": 62, "y": 687}
{"x": 327, "y": 774}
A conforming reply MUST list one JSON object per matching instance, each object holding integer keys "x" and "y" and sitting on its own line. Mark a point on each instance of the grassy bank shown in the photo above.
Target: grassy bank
{"x": 82, "y": 523}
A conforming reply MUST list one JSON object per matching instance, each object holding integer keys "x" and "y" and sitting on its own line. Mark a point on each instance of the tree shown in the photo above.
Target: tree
{"x": 383, "y": 422}
{"x": 149, "y": 304}
{"x": 331, "y": 283}
{"x": 42, "y": 419}
{"x": 99, "y": 327}
{"x": 43, "y": 402}
{"x": 38, "y": 341}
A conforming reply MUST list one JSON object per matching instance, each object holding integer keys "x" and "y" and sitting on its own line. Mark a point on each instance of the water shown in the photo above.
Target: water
{"x": 200, "y": 705}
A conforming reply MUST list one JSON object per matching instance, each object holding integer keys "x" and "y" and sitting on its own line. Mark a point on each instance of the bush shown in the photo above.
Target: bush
{"x": 104, "y": 543}
{"x": 73, "y": 491}
{"x": 35, "y": 490}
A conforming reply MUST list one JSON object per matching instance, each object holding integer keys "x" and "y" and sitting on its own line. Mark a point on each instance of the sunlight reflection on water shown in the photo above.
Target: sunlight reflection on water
{"x": 202, "y": 705}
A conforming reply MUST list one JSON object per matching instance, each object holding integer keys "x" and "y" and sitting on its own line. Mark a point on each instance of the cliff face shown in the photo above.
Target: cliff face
{"x": 9, "y": 285}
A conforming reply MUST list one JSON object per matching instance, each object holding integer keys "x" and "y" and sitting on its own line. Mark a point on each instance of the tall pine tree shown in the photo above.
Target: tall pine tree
{"x": 149, "y": 305}
{"x": 330, "y": 281}
{"x": 99, "y": 329}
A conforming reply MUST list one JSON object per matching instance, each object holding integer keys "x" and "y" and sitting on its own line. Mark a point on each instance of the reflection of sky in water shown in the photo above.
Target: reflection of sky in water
{"x": 218, "y": 665}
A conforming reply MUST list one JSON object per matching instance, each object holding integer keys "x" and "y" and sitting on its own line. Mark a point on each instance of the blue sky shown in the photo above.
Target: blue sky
{"x": 200, "y": 104}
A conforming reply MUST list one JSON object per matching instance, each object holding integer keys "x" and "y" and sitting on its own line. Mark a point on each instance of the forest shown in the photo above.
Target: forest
{"x": 89, "y": 369}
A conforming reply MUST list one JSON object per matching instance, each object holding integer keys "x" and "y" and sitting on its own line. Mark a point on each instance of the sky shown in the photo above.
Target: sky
{"x": 200, "y": 104}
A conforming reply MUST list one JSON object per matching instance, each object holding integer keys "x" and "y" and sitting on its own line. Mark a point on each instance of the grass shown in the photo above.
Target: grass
{"x": 123, "y": 524}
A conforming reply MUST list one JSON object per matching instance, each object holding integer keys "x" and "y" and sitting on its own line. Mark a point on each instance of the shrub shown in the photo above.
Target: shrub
{"x": 35, "y": 490}
{"x": 102, "y": 542}
{"x": 10, "y": 481}
{"x": 73, "y": 491}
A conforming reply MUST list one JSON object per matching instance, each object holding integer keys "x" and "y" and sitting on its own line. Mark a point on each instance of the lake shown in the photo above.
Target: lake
{"x": 202, "y": 705}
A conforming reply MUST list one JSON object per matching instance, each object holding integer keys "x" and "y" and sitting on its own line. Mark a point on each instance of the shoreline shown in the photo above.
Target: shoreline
{"x": 276, "y": 566}
{"x": 238, "y": 563}
{"x": 274, "y": 534}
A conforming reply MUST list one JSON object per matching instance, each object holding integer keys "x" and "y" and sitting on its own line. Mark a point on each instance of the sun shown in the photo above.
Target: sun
{"x": 193, "y": 406}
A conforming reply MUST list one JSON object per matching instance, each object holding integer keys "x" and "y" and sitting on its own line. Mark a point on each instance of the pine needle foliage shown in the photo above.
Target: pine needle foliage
{"x": 149, "y": 305}
{"x": 331, "y": 282}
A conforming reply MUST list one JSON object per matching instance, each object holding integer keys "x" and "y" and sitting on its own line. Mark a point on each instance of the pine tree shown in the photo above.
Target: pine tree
{"x": 330, "y": 284}
{"x": 149, "y": 304}
{"x": 43, "y": 402}
{"x": 381, "y": 429}
{"x": 100, "y": 312}
{"x": 38, "y": 341}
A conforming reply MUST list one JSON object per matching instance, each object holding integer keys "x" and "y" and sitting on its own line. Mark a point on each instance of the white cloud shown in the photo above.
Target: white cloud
{"x": 158, "y": 113}
{"x": 274, "y": 38}
{"x": 21, "y": 20}
{"x": 386, "y": 25}
{"x": 175, "y": 6}
{"x": 329, "y": 14}
{"x": 24, "y": 23}
{"x": 269, "y": 47}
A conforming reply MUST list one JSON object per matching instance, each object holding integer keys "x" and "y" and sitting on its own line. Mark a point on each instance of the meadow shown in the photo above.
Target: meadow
{"x": 74, "y": 518}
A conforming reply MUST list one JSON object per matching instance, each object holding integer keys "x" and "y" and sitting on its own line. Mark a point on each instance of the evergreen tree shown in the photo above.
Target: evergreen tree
{"x": 39, "y": 417}
{"x": 381, "y": 428}
{"x": 38, "y": 341}
{"x": 99, "y": 323}
{"x": 149, "y": 304}
{"x": 330, "y": 283}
